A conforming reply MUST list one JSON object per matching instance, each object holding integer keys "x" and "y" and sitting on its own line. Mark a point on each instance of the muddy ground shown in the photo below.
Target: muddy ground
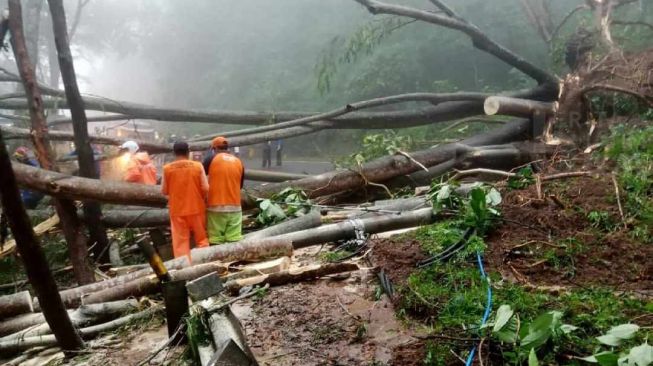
{"x": 549, "y": 240}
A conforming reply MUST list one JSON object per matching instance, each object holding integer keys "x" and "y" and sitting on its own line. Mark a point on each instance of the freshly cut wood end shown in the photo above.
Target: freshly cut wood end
{"x": 491, "y": 106}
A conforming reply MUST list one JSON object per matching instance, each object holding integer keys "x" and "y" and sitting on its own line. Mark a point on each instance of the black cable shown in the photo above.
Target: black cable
{"x": 449, "y": 251}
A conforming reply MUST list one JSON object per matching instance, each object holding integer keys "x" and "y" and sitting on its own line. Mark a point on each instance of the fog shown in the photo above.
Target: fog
{"x": 265, "y": 55}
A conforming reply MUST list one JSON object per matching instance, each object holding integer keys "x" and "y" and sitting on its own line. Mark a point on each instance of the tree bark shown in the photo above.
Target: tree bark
{"x": 72, "y": 297}
{"x": 65, "y": 210}
{"x": 292, "y": 275}
{"x": 310, "y": 220}
{"x": 83, "y": 316}
{"x": 36, "y": 265}
{"x": 15, "y": 304}
{"x": 150, "y": 284}
{"x": 86, "y": 160}
{"x": 347, "y": 229}
{"x": 66, "y": 186}
{"x": 22, "y": 344}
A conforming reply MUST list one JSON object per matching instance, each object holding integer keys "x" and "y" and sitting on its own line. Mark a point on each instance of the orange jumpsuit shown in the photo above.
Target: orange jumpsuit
{"x": 185, "y": 184}
{"x": 140, "y": 169}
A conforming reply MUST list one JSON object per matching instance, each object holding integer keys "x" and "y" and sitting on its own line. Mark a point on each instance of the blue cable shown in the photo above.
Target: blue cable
{"x": 488, "y": 306}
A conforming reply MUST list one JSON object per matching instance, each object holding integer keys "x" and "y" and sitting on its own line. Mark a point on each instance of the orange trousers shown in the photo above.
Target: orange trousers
{"x": 181, "y": 227}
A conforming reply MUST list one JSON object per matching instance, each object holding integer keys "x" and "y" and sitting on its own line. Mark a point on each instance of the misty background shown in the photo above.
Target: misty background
{"x": 266, "y": 55}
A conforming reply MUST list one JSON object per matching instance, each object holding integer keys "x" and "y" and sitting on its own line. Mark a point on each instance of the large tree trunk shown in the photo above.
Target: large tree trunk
{"x": 95, "y": 311}
{"x": 36, "y": 265}
{"x": 310, "y": 220}
{"x": 383, "y": 169}
{"x": 65, "y": 210}
{"x": 83, "y": 316}
{"x": 92, "y": 209}
{"x": 21, "y": 344}
{"x": 347, "y": 229}
{"x": 18, "y": 303}
{"x": 150, "y": 284}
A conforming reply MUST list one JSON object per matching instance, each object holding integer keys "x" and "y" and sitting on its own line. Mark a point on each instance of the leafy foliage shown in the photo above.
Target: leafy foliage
{"x": 375, "y": 146}
{"x": 523, "y": 179}
{"x": 348, "y": 50}
{"x": 290, "y": 202}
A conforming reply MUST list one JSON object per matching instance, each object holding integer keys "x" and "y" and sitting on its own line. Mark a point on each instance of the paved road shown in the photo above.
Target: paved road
{"x": 293, "y": 166}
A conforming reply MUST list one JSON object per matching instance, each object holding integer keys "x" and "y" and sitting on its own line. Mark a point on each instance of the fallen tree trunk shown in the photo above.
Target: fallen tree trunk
{"x": 291, "y": 276}
{"x": 267, "y": 176}
{"x": 310, "y": 220}
{"x": 150, "y": 284}
{"x": 72, "y": 297}
{"x": 517, "y": 107}
{"x": 379, "y": 170}
{"x": 388, "y": 167}
{"x": 346, "y": 229}
{"x": 15, "y": 304}
{"x": 66, "y": 186}
{"x": 242, "y": 251}
{"x": 21, "y": 344}
{"x": 499, "y": 157}
{"x": 84, "y": 316}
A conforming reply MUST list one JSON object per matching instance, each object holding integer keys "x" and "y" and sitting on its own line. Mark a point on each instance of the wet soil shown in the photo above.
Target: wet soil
{"x": 326, "y": 322}
{"x": 549, "y": 240}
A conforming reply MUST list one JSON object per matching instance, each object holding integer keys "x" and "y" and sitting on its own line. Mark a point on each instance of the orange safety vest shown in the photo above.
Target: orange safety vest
{"x": 225, "y": 175}
{"x": 182, "y": 183}
{"x": 140, "y": 169}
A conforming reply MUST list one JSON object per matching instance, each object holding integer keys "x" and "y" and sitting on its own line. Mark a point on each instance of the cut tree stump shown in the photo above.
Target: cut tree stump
{"x": 516, "y": 107}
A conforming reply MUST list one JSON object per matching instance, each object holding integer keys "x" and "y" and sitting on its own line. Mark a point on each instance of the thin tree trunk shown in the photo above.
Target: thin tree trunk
{"x": 66, "y": 211}
{"x": 36, "y": 265}
{"x": 92, "y": 209}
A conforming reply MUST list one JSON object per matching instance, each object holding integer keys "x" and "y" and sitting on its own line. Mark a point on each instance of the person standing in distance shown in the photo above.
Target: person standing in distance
{"x": 140, "y": 168}
{"x": 226, "y": 176}
{"x": 186, "y": 186}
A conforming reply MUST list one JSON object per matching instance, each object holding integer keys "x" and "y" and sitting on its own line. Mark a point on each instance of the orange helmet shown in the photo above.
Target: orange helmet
{"x": 219, "y": 143}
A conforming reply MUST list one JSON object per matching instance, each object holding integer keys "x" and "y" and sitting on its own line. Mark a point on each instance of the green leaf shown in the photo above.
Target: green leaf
{"x": 504, "y": 313}
{"x": 493, "y": 197}
{"x": 617, "y": 334}
{"x": 603, "y": 359}
{"x": 443, "y": 193}
{"x": 567, "y": 328}
{"x": 532, "y": 358}
{"x": 641, "y": 355}
{"x": 539, "y": 332}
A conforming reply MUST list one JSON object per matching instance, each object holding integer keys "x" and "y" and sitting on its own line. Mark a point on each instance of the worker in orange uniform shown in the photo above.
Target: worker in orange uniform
{"x": 140, "y": 168}
{"x": 226, "y": 175}
{"x": 186, "y": 186}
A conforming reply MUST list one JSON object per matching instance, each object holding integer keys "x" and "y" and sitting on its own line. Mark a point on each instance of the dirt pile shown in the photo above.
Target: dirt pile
{"x": 570, "y": 235}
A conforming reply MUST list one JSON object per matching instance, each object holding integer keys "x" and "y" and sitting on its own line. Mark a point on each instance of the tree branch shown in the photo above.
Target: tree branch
{"x": 432, "y": 98}
{"x": 479, "y": 39}
{"x": 554, "y": 35}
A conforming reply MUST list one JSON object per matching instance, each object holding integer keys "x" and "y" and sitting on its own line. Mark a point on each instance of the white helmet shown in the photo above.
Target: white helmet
{"x": 130, "y": 146}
